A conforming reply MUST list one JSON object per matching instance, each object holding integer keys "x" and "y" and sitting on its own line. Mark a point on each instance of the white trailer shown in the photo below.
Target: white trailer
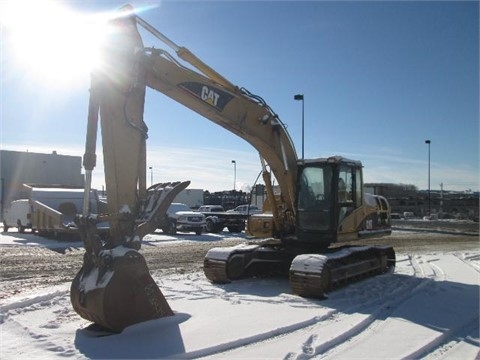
{"x": 18, "y": 214}
{"x": 53, "y": 209}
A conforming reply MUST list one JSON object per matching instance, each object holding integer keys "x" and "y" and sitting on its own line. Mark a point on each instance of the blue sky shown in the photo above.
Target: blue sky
{"x": 379, "y": 78}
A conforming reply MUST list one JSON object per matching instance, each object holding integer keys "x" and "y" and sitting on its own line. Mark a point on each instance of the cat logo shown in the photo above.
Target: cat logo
{"x": 214, "y": 97}
{"x": 209, "y": 96}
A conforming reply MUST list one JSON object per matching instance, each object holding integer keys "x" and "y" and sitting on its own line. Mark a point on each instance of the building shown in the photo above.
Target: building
{"x": 229, "y": 199}
{"x": 18, "y": 168}
{"x": 191, "y": 197}
{"x": 444, "y": 204}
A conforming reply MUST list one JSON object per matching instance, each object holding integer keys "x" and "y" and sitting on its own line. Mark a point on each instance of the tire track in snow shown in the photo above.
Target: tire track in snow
{"x": 462, "y": 333}
{"x": 26, "y": 302}
{"x": 375, "y": 308}
{"x": 16, "y": 318}
{"x": 439, "y": 274}
{"x": 315, "y": 347}
{"x": 369, "y": 324}
{"x": 465, "y": 334}
{"x": 446, "y": 341}
{"x": 472, "y": 260}
{"x": 43, "y": 341}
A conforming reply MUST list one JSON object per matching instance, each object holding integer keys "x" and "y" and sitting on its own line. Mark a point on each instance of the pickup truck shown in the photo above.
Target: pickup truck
{"x": 246, "y": 210}
{"x": 180, "y": 217}
{"x": 216, "y": 219}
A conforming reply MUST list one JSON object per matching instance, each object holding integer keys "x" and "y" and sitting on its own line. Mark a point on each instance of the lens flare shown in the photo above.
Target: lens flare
{"x": 50, "y": 42}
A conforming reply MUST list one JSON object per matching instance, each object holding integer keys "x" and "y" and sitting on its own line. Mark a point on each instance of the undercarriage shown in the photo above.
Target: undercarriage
{"x": 310, "y": 274}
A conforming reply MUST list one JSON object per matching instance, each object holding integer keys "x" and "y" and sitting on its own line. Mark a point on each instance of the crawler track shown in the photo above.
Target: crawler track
{"x": 311, "y": 275}
{"x": 338, "y": 268}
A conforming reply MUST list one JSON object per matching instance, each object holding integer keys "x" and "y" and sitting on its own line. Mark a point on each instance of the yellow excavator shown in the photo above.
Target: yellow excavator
{"x": 317, "y": 203}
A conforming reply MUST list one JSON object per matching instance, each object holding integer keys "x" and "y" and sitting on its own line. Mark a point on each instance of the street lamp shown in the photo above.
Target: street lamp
{"x": 2, "y": 196}
{"x": 151, "y": 175}
{"x": 234, "y": 173}
{"x": 301, "y": 97}
{"x": 428, "y": 142}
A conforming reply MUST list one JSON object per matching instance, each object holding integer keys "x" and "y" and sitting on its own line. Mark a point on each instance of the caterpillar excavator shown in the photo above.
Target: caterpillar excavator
{"x": 317, "y": 203}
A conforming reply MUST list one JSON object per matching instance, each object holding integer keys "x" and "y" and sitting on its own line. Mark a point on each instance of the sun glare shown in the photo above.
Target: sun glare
{"x": 51, "y": 42}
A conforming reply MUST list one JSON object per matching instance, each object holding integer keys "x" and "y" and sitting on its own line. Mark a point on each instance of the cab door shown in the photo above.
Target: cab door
{"x": 315, "y": 223}
{"x": 349, "y": 198}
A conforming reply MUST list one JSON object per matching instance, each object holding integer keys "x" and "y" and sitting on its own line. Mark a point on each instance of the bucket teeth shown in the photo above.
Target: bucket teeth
{"x": 159, "y": 199}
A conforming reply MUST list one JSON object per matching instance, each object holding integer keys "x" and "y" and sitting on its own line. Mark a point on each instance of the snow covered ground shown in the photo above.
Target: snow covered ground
{"x": 428, "y": 308}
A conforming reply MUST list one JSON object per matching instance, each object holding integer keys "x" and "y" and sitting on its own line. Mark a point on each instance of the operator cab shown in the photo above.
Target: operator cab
{"x": 329, "y": 190}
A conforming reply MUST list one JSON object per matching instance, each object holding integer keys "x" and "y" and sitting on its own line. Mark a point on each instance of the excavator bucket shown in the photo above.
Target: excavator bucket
{"x": 120, "y": 295}
{"x": 114, "y": 289}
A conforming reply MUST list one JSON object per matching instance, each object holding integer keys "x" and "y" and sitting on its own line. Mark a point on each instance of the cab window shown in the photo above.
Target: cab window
{"x": 314, "y": 198}
{"x": 345, "y": 185}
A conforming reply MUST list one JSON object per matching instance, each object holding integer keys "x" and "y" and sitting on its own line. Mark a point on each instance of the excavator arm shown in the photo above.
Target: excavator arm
{"x": 114, "y": 289}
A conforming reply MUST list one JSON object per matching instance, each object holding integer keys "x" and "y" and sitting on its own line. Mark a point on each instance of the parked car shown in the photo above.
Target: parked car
{"x": 246, "y": 209}
{"x": 211, "y": 208}
{"x": 217, "y": 219}
{"x": 408, "y": 215}
{"x": 180, "y": 217}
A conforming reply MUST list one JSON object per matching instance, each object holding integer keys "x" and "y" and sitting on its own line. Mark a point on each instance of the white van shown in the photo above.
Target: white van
{"x": 19, "y": 215}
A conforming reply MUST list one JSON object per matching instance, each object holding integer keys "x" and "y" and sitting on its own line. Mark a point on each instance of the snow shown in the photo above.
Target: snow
{"x": 310, "y": 263}
{"x": 427, "y": 308}
{"x": 219, "y": 253}
{"x": 92, "y": 280}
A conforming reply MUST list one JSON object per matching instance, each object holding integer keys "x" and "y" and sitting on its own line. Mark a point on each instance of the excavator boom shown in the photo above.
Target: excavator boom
{"x": 235, "y": 109}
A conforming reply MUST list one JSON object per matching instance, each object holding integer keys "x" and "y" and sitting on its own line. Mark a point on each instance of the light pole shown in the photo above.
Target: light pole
{"x": 2, "y": 196}
{"x": 301, "y": 97}
{"x": 234, "y": 173}
{"x": 151, "y": 175}
{"x": 428, "y": 142}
